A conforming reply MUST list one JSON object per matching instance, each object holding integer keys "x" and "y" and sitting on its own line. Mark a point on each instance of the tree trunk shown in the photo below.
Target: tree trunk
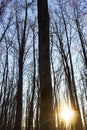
{"x": 46, "y": 107}
{"x": 18, "y": 119}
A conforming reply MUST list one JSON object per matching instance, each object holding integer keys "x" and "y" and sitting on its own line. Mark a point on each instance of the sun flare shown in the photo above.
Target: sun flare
{"x": 67, "y": 114}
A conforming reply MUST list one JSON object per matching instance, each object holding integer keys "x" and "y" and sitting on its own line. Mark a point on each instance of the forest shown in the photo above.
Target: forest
{"x": 43, "y": 64}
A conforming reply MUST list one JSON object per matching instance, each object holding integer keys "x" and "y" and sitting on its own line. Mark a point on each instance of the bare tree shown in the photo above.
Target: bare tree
{"x": 46, "y": 106}
{"x": 22, "y": 44}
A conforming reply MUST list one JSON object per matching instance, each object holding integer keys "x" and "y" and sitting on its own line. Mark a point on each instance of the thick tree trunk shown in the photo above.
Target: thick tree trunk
{"x": 46, "y": 108}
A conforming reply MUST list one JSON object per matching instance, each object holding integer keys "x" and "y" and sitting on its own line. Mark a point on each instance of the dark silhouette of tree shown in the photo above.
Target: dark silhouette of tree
{"x": 22, "y": 44}
{"x": 46, "y": 106}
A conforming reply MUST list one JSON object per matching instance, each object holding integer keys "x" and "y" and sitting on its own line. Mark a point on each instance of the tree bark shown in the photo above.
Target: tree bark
{"x": 46, "y": 107}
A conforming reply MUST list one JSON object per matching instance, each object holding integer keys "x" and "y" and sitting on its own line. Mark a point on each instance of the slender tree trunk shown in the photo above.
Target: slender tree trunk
{"x": 18, "y": 119}
{"x": 30, "y": 121}
{"x": 79, "y": 123}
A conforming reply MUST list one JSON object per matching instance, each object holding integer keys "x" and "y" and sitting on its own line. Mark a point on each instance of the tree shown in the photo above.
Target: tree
{"x": 46, "y": 107}
{"x": 22, "y": 44}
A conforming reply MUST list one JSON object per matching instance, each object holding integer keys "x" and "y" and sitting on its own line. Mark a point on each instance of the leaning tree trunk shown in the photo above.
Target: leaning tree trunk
{"x": 46, "y": 107}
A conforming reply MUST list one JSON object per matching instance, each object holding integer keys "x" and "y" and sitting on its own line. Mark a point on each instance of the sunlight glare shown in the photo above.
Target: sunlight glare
{"x": 67, "y": 114}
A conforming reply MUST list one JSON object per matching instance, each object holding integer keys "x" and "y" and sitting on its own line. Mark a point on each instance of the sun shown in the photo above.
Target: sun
{"x": 67, "y": 114}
